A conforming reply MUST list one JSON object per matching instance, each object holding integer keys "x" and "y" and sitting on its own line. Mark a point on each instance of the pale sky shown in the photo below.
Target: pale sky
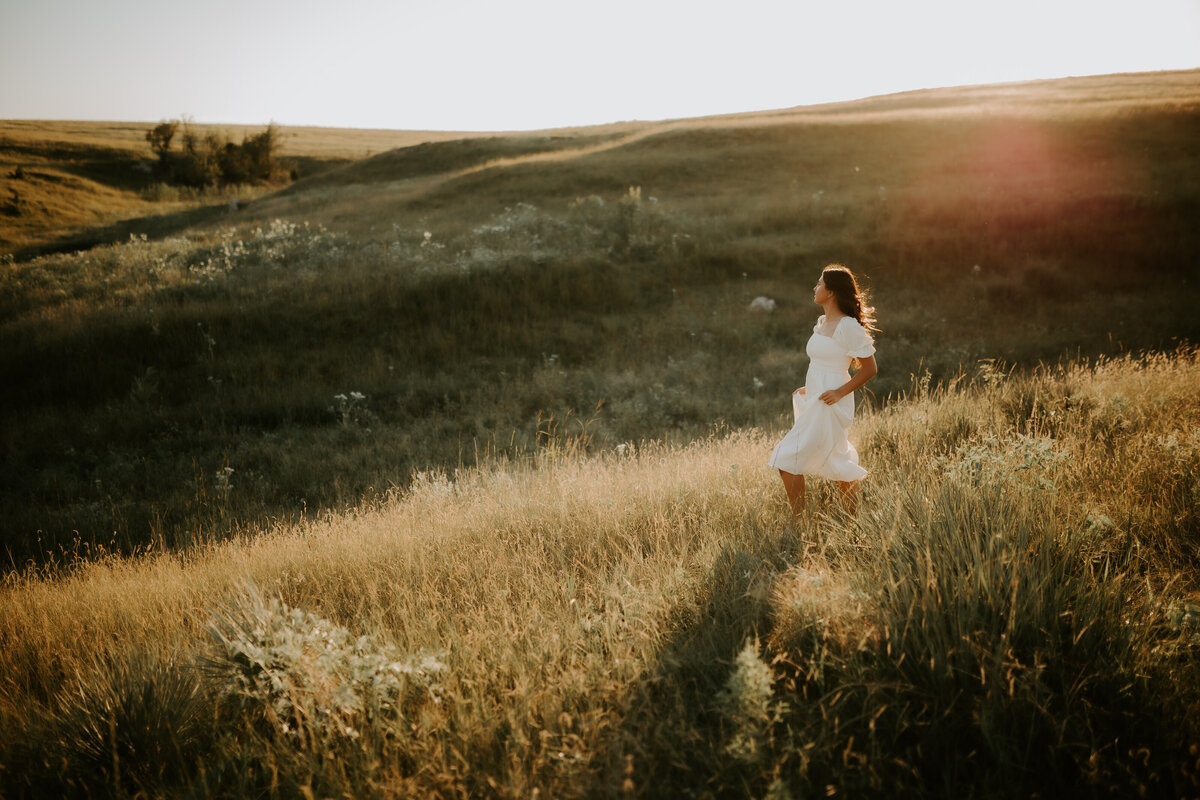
{"x": 533, "y": 64}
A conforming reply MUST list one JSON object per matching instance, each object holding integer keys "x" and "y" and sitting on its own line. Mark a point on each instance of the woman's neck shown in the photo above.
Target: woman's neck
{"x": 831, "y": 310}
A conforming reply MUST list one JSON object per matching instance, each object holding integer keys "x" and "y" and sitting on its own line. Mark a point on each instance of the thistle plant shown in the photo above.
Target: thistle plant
{"x": 351, "y": 410}
{"x": 222, "y": 483}
{"x": 1014, "y": 461}
{"x": 310, "y": 679}
{"x": 746, "y": 704}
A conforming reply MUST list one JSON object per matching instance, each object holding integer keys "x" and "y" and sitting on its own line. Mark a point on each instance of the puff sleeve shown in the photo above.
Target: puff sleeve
{"x": 852, "y": 336}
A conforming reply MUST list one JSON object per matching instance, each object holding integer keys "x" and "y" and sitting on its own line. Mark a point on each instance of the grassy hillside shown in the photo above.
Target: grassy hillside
{"x": 1014, "y": 612}
{"x": 66, "y": 186}
{"x": 440, "y": 473}
{"x": 413, "y": 310}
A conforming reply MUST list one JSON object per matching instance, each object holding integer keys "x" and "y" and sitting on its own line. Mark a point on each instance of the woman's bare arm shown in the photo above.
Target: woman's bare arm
{"x": 867, "y": 370}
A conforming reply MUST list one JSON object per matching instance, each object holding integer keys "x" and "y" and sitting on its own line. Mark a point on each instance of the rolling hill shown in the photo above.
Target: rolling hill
{"x": 439, "y": 472}
{"x": 479, "y": 291}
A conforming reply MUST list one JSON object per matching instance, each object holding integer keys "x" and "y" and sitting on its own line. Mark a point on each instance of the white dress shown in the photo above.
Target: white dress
{"x": 818, "y": 442}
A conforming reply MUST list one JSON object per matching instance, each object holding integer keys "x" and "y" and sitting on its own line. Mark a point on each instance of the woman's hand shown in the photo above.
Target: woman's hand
{"x": 866, "y": 371}
{"x": 799, "y": 391}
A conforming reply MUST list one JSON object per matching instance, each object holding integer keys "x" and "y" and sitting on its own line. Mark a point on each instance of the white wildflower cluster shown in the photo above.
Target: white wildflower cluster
{"x": 432, "y": 485}
{"x": 421, "y": 250}
{"x": 310, "y": 677}
{"x": 629, "y": 226}
{"x": 746, "y": 704}
{"x": 351, "y": 410}
{"x": 294, "y": 244}
{"x": 521, "y": 217}
{"x": 222, "y": 481}
{"x": 301, "y": 248}
{"x": 1012, "y": 462}
{"x": 1181, "y": 450}
{"x": 1183, "y": 617}
{"x": 222, "y": 258}
{"x": 1179, "y": 454}
{"x": 120, "y": 269}
{"x": 155, "y": 262}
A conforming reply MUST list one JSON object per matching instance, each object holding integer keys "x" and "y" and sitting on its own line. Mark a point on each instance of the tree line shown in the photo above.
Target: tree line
{"x": 211, "y": 159}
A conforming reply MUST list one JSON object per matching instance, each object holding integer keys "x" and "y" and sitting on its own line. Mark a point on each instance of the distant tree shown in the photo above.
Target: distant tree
{"x": 234, "y": 164}
{"x": 160, "y": 137}
{"x": 200, "y": 162}
{"x": 261, "y": 152}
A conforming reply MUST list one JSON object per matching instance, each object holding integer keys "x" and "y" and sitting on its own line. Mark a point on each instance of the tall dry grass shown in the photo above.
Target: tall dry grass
{"x": 1013, "y": 611}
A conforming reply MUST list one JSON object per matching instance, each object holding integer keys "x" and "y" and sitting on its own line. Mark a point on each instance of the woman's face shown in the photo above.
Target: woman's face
{"x": 821, "y": 295}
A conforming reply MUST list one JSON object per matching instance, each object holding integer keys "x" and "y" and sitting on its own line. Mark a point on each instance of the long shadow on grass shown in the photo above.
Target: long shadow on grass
{"x": 671, "y": 743}
{"x": 154, "y": 226}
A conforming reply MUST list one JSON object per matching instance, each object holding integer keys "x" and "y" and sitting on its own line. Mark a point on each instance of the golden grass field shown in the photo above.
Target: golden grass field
{"x": 439, "y": 471}
{"x": 1015, "y": 609}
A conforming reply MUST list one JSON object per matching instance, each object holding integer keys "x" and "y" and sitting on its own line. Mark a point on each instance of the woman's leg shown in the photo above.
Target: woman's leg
{"x": 794, "y": 486}
{"x": 849, "y": 492}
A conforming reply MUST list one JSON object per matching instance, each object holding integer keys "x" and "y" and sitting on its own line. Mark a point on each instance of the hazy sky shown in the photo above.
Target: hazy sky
{"x": 527, "y": 64}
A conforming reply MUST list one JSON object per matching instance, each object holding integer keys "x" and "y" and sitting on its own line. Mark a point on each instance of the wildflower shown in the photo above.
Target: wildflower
{"x": 747, "y": 704}
{"x": 223, "y": 484}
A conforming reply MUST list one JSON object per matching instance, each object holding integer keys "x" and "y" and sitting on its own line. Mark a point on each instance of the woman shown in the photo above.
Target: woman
{"x": 818, "y": 443}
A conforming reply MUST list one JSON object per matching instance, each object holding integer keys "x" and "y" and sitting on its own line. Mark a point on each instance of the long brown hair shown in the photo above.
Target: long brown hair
{"x": 851, "y": 300}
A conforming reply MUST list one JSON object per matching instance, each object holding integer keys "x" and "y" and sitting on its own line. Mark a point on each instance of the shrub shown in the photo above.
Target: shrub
{"x": 211, "y": 160}
{"x": 160, "y": 138}
{"x": 199, "y": 164}
{"x": 136, "y": 725}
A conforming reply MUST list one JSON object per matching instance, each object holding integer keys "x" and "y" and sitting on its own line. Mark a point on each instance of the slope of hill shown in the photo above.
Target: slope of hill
{"x": 939, "y": 117}
{"x": 100, "y": 175}
{"x": 49, "y": 186}
{"x": 59, "y": 181}
{"x": 1014, "y": 611}
{"x": 408, "y": 311}
{"x": 441, "y": 474}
